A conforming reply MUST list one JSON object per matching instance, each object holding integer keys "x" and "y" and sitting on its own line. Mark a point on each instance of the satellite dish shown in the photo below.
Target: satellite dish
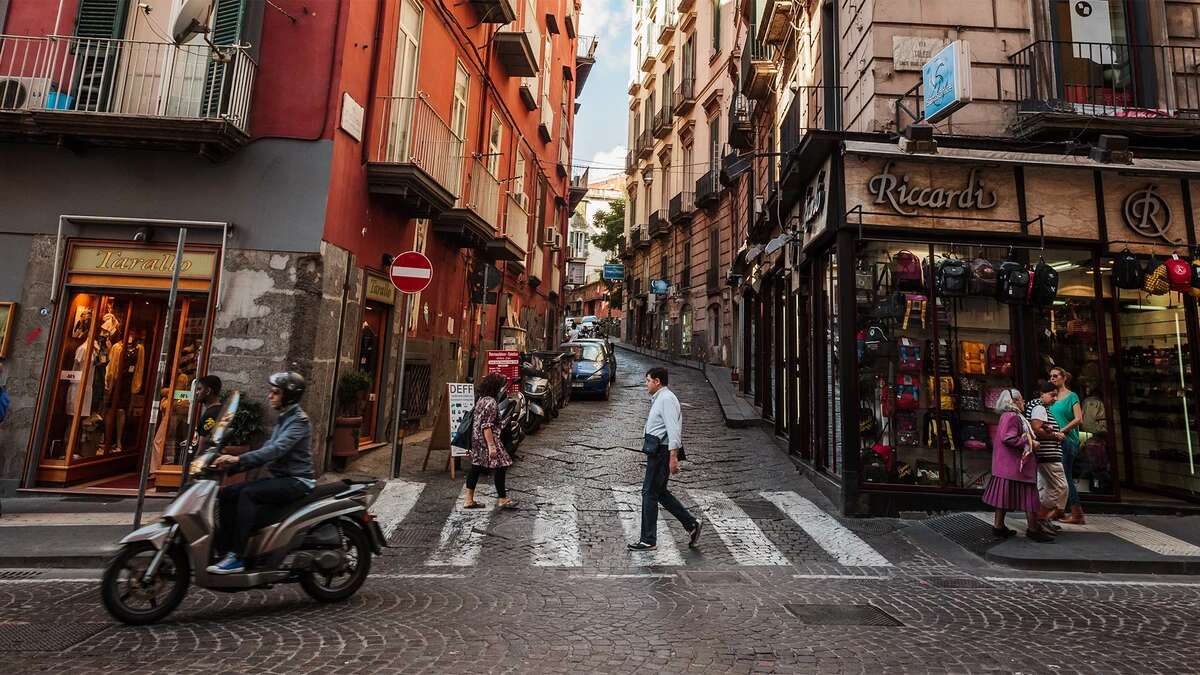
{"x": 189, "y": 18}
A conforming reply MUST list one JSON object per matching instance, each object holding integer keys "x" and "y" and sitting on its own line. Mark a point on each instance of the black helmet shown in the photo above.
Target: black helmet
{"x": 291, "y": 384}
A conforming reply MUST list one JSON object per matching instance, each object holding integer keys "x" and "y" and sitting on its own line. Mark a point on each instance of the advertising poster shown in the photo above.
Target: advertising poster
{"x": 507, "y": 362}
{"x": 462, "y": 400}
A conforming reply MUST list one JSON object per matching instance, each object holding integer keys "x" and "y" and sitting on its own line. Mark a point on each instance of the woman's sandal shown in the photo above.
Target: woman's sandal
{"x": 474, "y": 505}
{"x": 507, "y": 506}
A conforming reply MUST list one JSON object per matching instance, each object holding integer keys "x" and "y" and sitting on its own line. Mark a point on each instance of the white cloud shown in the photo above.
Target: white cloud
{"x": 608, "y": 162}
{"x": 609, "y": 21}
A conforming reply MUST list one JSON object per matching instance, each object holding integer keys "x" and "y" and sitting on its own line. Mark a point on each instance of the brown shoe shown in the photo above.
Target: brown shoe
{"x": 1055, "y": 514}
{"x": 1076, "y": 517}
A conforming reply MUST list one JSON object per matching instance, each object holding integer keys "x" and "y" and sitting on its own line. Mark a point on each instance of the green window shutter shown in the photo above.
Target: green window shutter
{"x": 228, "y": 18}
{"x": 101, "y": 18}
{"x": 716, "y": 37}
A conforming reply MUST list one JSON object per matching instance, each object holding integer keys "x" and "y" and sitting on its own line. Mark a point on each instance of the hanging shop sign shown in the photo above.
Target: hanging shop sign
{"x": 140, "y": 262}
{"x": 894, "y": 190}
{"x": 946, "y": 81}
{"x": 1147, "y": 213}
{"x": 659, "y": 286}
{"x": 814, "y": 201}
{"x": 380, "y": 290}
{"x": 614, "y": 272}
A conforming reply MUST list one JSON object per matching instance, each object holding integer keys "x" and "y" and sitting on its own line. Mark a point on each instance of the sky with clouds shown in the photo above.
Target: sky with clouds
{"x": 600, "y": 134}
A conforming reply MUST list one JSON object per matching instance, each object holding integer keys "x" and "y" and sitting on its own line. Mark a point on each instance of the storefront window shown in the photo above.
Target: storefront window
{"x": 833, "y": 385}
{"x": 173, "y": 432}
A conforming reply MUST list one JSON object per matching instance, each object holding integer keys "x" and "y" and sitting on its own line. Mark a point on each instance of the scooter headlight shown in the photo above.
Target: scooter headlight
{"x": 196, "y": 467}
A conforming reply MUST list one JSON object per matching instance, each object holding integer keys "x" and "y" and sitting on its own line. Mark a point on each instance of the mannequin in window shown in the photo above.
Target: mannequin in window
{"x": 122, "y": 379}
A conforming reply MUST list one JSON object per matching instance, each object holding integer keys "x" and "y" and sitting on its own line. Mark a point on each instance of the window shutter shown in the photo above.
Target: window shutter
{"x": 101, "y": 18}
{"x": 227, "y": 22}
{"x": 228, "y": 17}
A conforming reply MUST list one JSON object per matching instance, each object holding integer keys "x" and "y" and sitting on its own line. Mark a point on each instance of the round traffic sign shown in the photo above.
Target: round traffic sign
{"x": 411, "y": 272}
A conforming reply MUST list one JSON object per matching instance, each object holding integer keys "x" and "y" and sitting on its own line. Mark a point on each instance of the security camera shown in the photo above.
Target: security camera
{"x": 142, "y": 234}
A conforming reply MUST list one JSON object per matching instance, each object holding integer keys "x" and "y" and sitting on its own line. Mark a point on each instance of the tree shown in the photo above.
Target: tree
{"x": 610, "y": 223}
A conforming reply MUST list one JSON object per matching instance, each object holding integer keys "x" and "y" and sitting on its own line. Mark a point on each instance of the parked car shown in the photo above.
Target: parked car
{"x": 612, "y": 353}
{"x": 591, "y": 372}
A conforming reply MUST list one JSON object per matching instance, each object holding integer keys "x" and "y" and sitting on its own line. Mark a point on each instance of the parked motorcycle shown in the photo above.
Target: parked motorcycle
{"x": 535, "y": 385}
{"x": 551, "y": 364}
{"x": 324, "y": 542}
{"x": 512, "y": 413}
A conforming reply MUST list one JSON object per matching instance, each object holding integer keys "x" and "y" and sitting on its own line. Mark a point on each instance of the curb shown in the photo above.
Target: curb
{"x": 1170, "y": 566}
{"x": 82, "y": 560}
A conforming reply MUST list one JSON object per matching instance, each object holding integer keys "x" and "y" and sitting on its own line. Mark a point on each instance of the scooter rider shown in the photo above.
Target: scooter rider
{"x": 288, "y": 456}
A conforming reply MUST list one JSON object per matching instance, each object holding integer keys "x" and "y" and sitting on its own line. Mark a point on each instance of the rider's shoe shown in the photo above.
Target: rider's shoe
{"x": 230, "y": 564}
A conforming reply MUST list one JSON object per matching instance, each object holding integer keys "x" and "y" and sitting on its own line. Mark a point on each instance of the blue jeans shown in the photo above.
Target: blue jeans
{"x": 655, "y": 492}
{"x": 1069, "y": 450}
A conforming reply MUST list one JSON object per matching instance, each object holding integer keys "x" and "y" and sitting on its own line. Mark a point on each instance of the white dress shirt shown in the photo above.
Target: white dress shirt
{"x": 665, "y": 418}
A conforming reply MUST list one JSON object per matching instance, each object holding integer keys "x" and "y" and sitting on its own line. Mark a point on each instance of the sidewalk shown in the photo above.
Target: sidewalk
{"x": 737, "y": 411}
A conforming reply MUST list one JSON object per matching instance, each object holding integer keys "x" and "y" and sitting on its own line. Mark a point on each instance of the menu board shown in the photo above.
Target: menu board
{"x": 507, "y": 362}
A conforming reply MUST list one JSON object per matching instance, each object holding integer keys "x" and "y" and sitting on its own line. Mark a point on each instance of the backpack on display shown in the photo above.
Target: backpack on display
{"x": 908, "y": 393}
{"x": 983, "y": 278}
{"x": 1127, "y": 271}
{"x": 928, "y": 473}
{"x": 1004, "y": 269}
{"x": 906, "y": 271}
{"x": 907, "y": 432}
{"x": 874, "y": 467}
{"x": 1156, "y": 282}
{"x": 1179, "y": 274}
{"x": 868, "y": 426}
{"x": 939, "y": 429}
{"x": 910, "y": 355}
{"x": 972, "y": 357}
{"x": 1095, "y": 419}
{"x": 1195, "y": 290}
{"x": 876, "y": 343}
{"x": 1014, "y": 286}
{"x": 970, "y": 395}
{"x": 974, "y": 435}
{"x": 939, "y": 355}
{"x": 864, "y": 284}
{"x": 999, "y": 360}
{"x": 953, "y": 277}
{"x": 886, "y": 453}
{"x": 915, "y": 306}
{"x": 1044, "y": 285}
{"x": 887, "y": 398}
{"x": 945, "y": 393}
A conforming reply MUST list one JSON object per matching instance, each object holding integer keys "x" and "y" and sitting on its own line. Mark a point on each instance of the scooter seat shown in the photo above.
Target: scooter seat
{"x": 274, "y": 513}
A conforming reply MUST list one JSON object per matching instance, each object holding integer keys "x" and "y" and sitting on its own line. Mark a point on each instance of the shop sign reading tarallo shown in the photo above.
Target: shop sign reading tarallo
{"x": 380, "y": 290}
{"x": 140, "y": 262}
{"x": 894, "y": 190}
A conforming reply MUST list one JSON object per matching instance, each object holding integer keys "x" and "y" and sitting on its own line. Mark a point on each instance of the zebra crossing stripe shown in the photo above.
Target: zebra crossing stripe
{"x": 394, "y": 503}
{"x": 629, "y": 499}
{"x": 1134, "y": 533}
{"x": 462, "y": 535}
{"x": 556, "y": 529}
{"x": 748, "y": 544}
{"x": 845, "y": 546}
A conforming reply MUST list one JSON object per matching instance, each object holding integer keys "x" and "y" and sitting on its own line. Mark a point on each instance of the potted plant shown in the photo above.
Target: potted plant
{"x": 351, "y": 396}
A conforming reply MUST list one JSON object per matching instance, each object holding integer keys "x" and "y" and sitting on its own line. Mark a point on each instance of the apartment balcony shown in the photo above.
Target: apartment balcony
{"x": 666, "y": 27}
{"x": 631, "y": 162}
{"x": 741, "y": 129}
{"x": 513, "y": 244}
{"x": 625, "y": 251}
{"x": 494, "y": 11}
{"x": 89, "y": 91}
{"x": 684, "y": 96}
{"x": 414, "y": 158}
{"x": 516, "y": 47}
{"x": 564, "y": 157}
{"x": 777, "y": 19}
{"x": 660, "y": 226}
{"x": 1134, "y": 90}
{"x": 571, "y": 20}
{"x": 546, "y": 120}
{"x": 645, "y": 145}
{"x": 640, "y": 236}
{"x": 684, "y": 6}
{"x": 648, "y": 60}
{"x": 682, "y": 206}
{"x": 578, "y": 189}
{"x": 585, "y": 58}
{"x": 528, "y": 91}
{"x": 475, "y": 219}
{"x": 708, "y": 189}
{"x": 759, "y": 69}
{"x": 662, "y": 122}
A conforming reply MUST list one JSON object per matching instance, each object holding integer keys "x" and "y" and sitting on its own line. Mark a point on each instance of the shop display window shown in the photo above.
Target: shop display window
{"x": 932, "y": 358}
{"x": 832, "y": 378}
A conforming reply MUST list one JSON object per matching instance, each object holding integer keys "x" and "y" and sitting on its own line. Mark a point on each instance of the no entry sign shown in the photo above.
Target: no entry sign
{"x": 411, "y": 272}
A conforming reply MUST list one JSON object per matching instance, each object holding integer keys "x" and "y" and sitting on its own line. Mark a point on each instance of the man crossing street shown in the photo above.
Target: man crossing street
{"x": 662, "y": 445}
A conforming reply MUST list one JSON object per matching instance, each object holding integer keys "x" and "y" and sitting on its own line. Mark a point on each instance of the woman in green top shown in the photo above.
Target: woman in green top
{"x": 1068, "y": 412}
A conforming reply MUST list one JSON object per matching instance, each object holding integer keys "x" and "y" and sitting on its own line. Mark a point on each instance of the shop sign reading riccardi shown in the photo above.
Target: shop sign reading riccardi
{"x": 894, "y": 190}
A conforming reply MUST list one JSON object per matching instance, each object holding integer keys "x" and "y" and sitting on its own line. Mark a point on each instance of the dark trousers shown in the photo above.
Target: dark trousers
{"x": 240, "y": 507}
{"x": 498, "y": 475}
{"x": 655, "y": 492}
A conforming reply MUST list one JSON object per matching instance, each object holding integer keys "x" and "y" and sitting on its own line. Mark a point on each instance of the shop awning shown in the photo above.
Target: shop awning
{"x": 1146, "y": 166}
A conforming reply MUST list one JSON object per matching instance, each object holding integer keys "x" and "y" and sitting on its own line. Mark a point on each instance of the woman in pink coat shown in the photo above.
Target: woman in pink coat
{"x": 1013, "y": 485}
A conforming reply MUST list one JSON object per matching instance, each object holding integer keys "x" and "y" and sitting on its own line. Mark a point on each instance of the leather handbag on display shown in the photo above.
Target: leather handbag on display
{"x": 983, "y": 278}
{"x": 1127, "y": 271}
{"x": 1000, "y": 359}
{"x": 906, "y": 271}
{"x": 972, "y": 357}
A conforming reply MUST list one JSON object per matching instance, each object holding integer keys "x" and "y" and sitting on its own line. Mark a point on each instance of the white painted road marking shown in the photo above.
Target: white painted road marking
{"x": 629, "y": 499}
{"x": 73, "y": 519}
{"x": 1134, "y": 533}
{"x": 556, "y": 529}
{"x": 394, "y": 503}
{"x": 462, "y": 535}
{"x": 838, "y": 541}
{"x": 748, "y": 544}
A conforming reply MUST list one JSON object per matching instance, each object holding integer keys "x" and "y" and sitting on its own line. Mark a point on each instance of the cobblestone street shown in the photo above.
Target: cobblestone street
{"x": 777, "y": 583}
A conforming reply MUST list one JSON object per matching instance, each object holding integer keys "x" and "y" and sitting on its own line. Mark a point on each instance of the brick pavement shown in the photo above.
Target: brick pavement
{"x": 610, "y": 613}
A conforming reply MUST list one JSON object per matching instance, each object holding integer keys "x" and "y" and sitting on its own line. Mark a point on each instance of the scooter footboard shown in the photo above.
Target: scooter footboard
{"x": 154, "y": 533}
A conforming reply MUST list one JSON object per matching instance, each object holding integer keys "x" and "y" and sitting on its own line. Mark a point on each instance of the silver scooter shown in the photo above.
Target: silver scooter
{"x": 324, "y": 541}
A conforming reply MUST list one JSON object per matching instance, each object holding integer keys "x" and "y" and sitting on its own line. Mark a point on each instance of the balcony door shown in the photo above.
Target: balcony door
{"x": 404, "y": 80}
{"x": 1103, "y": 55}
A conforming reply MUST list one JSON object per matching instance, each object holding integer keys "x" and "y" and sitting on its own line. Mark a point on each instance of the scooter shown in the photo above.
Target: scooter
{"x": 324, "y": 541}
{"x": 535, "y": 385}
{"x": 511, "y": 413}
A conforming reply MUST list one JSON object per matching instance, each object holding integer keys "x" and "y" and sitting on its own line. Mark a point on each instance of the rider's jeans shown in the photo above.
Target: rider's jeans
{"x": 240, "y": 508}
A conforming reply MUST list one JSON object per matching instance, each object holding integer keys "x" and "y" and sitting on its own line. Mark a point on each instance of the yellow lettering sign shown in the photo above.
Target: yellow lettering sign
{"x": 140, "y": 262}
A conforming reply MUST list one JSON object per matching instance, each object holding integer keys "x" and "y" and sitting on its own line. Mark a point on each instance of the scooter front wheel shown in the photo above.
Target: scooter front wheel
{"x": 339, "y": 584}
{"x": 131, "y": 599}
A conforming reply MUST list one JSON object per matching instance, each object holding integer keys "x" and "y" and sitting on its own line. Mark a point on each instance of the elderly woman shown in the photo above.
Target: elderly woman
{"x": 1013, "y": 485}
{"x": 487, "y": 452}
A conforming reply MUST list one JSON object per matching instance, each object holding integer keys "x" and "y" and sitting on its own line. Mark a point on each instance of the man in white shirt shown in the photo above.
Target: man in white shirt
{"x": 662, "y": 443}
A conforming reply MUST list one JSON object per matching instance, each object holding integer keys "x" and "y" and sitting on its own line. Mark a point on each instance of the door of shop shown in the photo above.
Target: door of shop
{"x": 370, "y": 362}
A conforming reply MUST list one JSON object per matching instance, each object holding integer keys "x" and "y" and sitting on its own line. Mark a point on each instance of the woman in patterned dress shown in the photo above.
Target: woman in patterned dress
{"x": 487, "y": 451}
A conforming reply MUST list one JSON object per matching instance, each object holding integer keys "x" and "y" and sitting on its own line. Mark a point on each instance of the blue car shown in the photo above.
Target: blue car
{"x": 592, "y": 372}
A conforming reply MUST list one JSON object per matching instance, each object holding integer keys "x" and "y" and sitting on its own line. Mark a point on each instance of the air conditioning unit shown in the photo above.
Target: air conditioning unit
{"x": 555, "y": 241}
{"x": 23, "y": 93}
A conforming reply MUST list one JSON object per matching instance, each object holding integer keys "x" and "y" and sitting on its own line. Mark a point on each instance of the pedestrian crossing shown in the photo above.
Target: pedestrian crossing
{"x": 556, "y": 536}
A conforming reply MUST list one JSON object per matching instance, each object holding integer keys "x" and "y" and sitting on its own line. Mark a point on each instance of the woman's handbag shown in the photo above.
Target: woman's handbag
{"x": 462, "y": 435}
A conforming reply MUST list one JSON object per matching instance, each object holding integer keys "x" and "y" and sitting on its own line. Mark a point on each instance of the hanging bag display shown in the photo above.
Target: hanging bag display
{"x": 939, "y": 430}
{"x": 908, "y": 393}
{"x": 944, "y": 392}
{"x": 1044, "y": 284}
{"x": 1195, "y": 290}
{"x": 972, "y": 357}
{"x": 1156, "y": 282}
{"x": 910, "y": 355}
{"x": 970, "y": 395}
{"x": 991, "y": 396}
{"x": 868, "y": 426}
{"x": 915, "y": 306}
{"x": 906, "y": 271}
{"x": 1179, "y": 274}
{"x": 1000, "y": 359}
{"x": 907, "y": 433}
{"x": 1083, "y": 332}
{"x": 877, "y": 344}
{"x": 1003, "y": 270}
{"x": 864, "y": 284}
{"x": 1014, "y": 284}
{"x": 983, "y": 278}
{"x": 939, "y": 355}
{"x": 974, "y": 435}
{"x": 953, "y": 277}
{"x": 1127, "y": 271}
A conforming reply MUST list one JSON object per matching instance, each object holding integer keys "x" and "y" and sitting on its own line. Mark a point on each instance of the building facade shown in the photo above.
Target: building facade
{"x": 297, "y": 175}
{"x": 679, "y": 212}
{"x": 1081, "y": 143}
{"x": 582, "y": 253}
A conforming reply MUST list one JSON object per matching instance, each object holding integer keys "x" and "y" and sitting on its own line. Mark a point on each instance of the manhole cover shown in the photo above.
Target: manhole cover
{"x": 965, "y": 583}
{"x": 416, "y": 536}
{"x": 966, "y": 530}
{"x": 45, "y": 637}
{"x": 713, "y": 577}
{"x": 841, "y": 615}
{"x": 20, "y": 574}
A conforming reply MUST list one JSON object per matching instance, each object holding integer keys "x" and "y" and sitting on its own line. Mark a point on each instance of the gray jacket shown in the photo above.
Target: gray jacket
{"x": 288, "y": 452}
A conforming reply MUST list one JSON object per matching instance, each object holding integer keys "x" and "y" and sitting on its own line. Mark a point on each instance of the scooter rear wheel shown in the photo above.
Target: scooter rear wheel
{"x": 341, "y": 584}
{"x": 128, "y": 599}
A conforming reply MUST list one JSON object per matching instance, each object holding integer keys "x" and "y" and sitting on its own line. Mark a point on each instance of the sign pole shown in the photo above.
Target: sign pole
{"x": 148, "y": 446}
{"x": 397, "y": 447}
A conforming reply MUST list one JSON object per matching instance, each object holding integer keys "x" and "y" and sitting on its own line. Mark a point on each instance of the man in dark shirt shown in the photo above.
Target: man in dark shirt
{"x": 208, "y": 399}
